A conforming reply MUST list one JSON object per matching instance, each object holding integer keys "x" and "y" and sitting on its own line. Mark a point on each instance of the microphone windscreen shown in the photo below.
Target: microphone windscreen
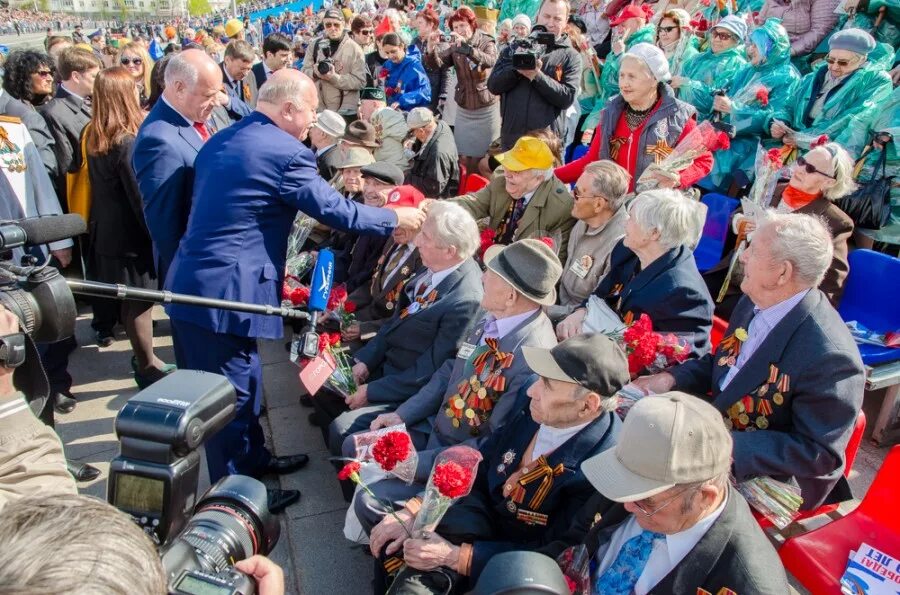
{"x": 52, "y": 228}
{"x": 322, "y": 278}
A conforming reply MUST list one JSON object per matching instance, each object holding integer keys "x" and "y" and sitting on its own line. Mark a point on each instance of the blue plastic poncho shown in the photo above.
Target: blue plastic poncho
{"x": 706, "y": 73}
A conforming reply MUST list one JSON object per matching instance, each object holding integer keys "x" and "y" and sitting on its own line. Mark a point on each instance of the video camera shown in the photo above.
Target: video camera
{"x": 527, "y": 51}
{"x": 154, "y": 479}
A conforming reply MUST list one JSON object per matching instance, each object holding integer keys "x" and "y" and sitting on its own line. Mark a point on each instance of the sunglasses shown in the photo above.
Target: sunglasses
{"x": 723, "y": 35}
{"x": 44, "y": 73}
{"x": 811, "y": 169}
{"x": 366, "y": 31}
{"x": 332, "y": 25}
{"x": 127, "y": 61}
{"x": 841, "y": 63}
{"x": 667, "y": 29}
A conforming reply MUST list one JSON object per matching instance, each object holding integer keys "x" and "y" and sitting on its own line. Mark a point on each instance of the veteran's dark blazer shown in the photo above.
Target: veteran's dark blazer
{"x": 487, "y": 513}
{"x": 733, "y": 554}
{"x": 820, "y": 377}
{"x": 406, "y": 352}
{"x": 670, "y": 291}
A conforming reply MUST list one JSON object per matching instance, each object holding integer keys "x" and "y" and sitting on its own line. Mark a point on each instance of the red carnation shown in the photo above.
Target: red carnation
{"x": 549, "y": 241}
{"x": 723, "y": 141}
{"x": 819, "y": 141}
{"x": 392, "y": 448}
{"x": 383, "y": 74}
{"x": 389, "y": 91}
{"x": 487, "y": 240}
{"x": 338, "y": 296}
{"x": 349, "y": 307}
{"x": 350, "y": 471}
{"x": 774, "y": 158}
{"x": 452, "y": 480}
{"x": 285, "y": 292}
{"x": 323, "y": 342}
{"x": 299, "y": 295}
{"x": 762, "y": 95}
{"x": 334, "y": 338}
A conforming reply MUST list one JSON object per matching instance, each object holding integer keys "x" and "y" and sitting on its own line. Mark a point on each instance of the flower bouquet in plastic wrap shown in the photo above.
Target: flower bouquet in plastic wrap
{"x": 391, "y": 449}
{"x": 575, "y": 563}
{"x": 779, "y": 502}
{"x": 334, "y": 358}
{"x": 702, "y": 139}
{"x": 340, "y": 308}
{"x": 452, "y": 477}
{"x": 298, "y": 261}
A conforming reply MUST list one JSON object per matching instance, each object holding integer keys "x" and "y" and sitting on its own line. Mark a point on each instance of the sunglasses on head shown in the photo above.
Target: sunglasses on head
{"x": 668, "y": 29}
{"x": 723, "y": 35}
{"x": 127, "y": 61}
{"x": 811, "y": 169}
{"x": 839, "y": 62}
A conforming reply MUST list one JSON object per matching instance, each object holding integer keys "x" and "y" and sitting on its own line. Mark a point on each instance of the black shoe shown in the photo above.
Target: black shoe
{"x": 281, "y": 499}
{"x": 82, "y": 471}
{"x": 306, "y": 401}
{"x": 281, "y": 465}
{"x": 314, "y": 419}
{"x": 105, "y": 338}
{"x": 64, "y": 402}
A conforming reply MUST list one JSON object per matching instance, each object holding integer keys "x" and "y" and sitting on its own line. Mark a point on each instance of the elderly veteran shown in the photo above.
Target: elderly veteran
{"x": 450, "y": 409}
{"x": 600, "y": 210}
{"x": 837, "y": 98}
{"x": 435, "y": 313}
{"x": 653, "y": 272}
{"x": 715, "y": 68}
{"x": 324, "y": 136}
{"x": 665, "y": 519}
{"x": 530, "y": 484}
{"x": 390, "y": 133}
{"x": 434, "y": 168}
{"x": 787, "y": 377}
{"x": 643, "y": 123}
{"x": 371, "y": 99}
{"x": 524, "y": 199}
{"x": 820, "y": 177}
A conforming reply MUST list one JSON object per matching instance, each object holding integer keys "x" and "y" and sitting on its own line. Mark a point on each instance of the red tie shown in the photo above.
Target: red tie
{"x": 200, "y": 127}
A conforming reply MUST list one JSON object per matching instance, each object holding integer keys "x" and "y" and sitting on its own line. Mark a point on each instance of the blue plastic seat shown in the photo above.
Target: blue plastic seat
{"x": 719, "y": 209}
{"x": 872, "y": 286}
{"x": 577, "y": 153}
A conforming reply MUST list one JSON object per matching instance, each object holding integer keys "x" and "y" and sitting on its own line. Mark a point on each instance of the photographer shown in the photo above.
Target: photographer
{"x": 539, "y": 97}
{"x": 338, "y": 66}
{"x": 98, "y": 549}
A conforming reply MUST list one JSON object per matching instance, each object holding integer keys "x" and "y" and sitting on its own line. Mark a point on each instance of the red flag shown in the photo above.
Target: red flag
{"x": 385, "y": 26}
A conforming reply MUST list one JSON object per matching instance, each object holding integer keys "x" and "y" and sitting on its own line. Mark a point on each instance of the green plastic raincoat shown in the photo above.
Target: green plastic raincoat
{"x": 888, "y": 31}
{"x": 748, "y": 114}
{"x": 509, "y": 9}
{"x": 609, "y": 78}
{"x": 705, "y": 74}
{"x": 847, "y": 111}
{"x": 886, "y": 119}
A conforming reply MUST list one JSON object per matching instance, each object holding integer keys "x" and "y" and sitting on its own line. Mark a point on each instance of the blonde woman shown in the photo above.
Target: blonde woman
{"x": 135, "y": 59}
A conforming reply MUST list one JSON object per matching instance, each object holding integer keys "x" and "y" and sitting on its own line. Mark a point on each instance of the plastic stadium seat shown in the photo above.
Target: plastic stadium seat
{"x": 817, "y": 559}
{"x": 474, "y": 183}
{"x": 720, "y": 325}
{"x": 719, "y": 209}
{"x": 849, "y": 457}
{"x": 871, "y": 288}
{"x": 577, "y": 153}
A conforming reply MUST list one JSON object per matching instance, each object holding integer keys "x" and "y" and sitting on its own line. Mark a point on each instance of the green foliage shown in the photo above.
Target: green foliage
{"x": 198, "y": 8}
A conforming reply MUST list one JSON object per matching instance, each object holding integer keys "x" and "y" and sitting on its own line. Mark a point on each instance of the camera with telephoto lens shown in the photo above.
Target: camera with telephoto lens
{"x": 526, "y": 52}
{"x": 154, "y": 479}
{"x": 326, "y": 64}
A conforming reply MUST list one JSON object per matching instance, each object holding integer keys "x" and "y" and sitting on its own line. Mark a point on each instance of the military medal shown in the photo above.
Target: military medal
{"x": 389, "y": 305}
{"x": 511, "y": 506}
{"x": 761, "y": 422}
{"x": 11, "y": 155}
{"x": 413, "y": 308}
{"x": 763, "y": 390}
{"x": 778, "y": 398}
{"x": 509, "y": 456}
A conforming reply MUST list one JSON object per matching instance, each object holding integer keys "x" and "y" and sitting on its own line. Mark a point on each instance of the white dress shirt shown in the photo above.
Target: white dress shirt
{"x": 666, "y": 555}
{"x": 439, "y": 276}
{"x": 549, "y": 439}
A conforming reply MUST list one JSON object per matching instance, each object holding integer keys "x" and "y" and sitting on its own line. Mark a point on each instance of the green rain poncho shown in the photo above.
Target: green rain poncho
{"x": 609, "y": 78}
{"x": 888, "y": 31}
{"x": 509, "y": 9}
{"x": 847, "y": 110}
{"x": 705, "y": 74}
{"x": 749, "y": 117}
{"x": 886, "y": 119}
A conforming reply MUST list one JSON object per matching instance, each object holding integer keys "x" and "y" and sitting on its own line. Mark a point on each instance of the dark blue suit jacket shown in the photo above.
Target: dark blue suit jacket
{"x": 670, "y": 291}
{"x": 251, "y": 179}
{"x": 163, "y": 162}
{"x": 237, "y": 108}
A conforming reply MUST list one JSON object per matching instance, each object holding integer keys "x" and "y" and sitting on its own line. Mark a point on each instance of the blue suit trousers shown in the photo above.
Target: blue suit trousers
{"x": 238, "y": 448}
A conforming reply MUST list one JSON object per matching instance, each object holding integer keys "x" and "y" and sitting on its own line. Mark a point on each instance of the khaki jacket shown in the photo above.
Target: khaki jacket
{"x": 341, "y": 94}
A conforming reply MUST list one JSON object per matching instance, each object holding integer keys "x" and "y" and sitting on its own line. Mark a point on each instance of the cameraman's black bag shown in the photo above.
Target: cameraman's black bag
{"x": 870, "y": 205}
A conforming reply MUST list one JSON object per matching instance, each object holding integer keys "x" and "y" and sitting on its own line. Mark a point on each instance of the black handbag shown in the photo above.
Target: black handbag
{"x": 870, "y": 205}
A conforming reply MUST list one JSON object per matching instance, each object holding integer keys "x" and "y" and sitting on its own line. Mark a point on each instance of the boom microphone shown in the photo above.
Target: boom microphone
{"x": 319, "y": 291}
{"x": 35, "y": 231}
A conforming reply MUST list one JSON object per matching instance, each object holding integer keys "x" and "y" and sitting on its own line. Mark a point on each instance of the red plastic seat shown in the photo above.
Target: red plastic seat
{"x": 474, "y": 183}
{"x": 463, "y": 175}
{"x": 849, "y": 457}
{"x": 817, "y": 559}
{"x": 719, "y": 326}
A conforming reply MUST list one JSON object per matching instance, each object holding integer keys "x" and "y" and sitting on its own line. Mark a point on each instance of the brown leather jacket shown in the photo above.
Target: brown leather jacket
{"x": 471, "y": 71}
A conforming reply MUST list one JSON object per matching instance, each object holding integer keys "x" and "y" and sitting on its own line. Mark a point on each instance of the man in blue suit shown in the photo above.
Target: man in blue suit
{"x": 167, "y": 145}
{"x": 251, "y": 179}
{"x": 240, "y": 84}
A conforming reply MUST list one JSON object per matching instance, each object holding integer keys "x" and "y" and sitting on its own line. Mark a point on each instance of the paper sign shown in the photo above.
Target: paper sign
{"x": 871, "y": 572}
{"x": 316, "y": 372}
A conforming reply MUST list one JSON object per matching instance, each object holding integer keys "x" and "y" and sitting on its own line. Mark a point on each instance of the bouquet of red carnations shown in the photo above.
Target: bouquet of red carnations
{"x": 340, "y": 307}
{"x": 391, "y": 448}
{"x": 702, "y": 139}
{"x": 338, "y": 358}
{"x": 452, "y": 477}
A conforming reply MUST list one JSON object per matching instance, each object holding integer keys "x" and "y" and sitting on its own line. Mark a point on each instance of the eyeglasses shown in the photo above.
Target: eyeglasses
{"x": 811, "y": 169}
{"x": 667, "y": 29}
{"x": 366, "y": 31}
{"x": 723, "y": 35}
{"x": 44, "y": 73}
{"x": 332, "y": 25}
{"x": 127, "y": 61}
{"x": 579, "y": 195}
{"x": 640, "y": 507}
{"x": 842, "y": 63}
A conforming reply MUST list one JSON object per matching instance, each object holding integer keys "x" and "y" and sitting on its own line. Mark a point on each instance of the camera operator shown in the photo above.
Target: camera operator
{"x": 31, "y": 454}
{"x": 538, "y": 98}
{"x": 98, "y": 549}
{"x": 338, "y": 66}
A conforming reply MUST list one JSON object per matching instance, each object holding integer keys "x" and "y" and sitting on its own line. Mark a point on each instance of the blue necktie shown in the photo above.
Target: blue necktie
{"x": 623, "y": 574}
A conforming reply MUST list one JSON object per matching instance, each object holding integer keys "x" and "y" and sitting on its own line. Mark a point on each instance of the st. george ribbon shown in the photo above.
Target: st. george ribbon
{"x": 319, "y": 292}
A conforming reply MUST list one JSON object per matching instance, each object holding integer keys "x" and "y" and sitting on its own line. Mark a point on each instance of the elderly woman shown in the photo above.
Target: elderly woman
{"x": 641, "y": 124}
{"x": 406, "y": 83}
{"x": 821, "y": 176}
{"x": 836, "y": 98}
{"x": 600, "y": 210}
{"x": 715, "y": 68}
{"x": 472, "y": 53}
{"x": 652, "y": 271}
{"x": 138, "y": 63}
{"x": 674, "y": 38}
{"x": 521, "y": 26}
{"x": 390, "y": 131}
{"x": 758, "y": 90}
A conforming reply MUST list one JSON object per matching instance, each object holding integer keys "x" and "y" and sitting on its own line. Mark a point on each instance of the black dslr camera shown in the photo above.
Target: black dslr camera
{"x": 154, "y": 479}
{"x": 526, "y": 52}
{"x": 326, "y": 64}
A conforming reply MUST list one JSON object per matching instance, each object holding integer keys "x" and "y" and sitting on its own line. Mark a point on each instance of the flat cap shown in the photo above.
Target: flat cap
{"x": 386, "y": 172}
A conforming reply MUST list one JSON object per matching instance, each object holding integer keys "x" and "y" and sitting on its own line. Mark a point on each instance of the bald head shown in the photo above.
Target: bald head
{"x": 193, "y": 81}
{"x": 289, "y": 98}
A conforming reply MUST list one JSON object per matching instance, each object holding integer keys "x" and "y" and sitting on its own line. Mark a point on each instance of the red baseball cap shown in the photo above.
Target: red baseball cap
{"x": 404, "y": 196}
{"x": 632, "y": 11}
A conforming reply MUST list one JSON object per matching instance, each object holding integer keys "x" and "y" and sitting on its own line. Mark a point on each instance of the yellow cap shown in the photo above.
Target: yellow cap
{"x": 528, "y": 153}
{"x": 233, "y": 27}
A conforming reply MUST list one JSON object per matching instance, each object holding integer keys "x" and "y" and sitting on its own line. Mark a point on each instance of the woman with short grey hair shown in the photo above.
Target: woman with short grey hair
{"x": 652, "y": 271}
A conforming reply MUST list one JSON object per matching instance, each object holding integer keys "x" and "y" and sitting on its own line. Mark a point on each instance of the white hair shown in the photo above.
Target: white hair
{"x": 842, "y": 164}
{"x": 179, "y": 68}
{"x": 454, "y": 227}
{"x": 678, "y": 219}
{"x": 282, "y": 90}
{"x": 610, "y": 181}
{"x": 803, "y": 240}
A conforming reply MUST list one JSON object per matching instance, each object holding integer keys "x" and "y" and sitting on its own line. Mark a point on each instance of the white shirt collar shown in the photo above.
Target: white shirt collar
{"x": 678, "y": 545}
{"x": 507, "y": 325}
{"x": 436, "y": 278}
{"x": 527, "y": 196}
{"x": 549, "y": 438}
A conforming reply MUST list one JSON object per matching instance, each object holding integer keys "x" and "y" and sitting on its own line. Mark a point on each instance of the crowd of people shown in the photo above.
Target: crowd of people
{"x": 504, "y": 189}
